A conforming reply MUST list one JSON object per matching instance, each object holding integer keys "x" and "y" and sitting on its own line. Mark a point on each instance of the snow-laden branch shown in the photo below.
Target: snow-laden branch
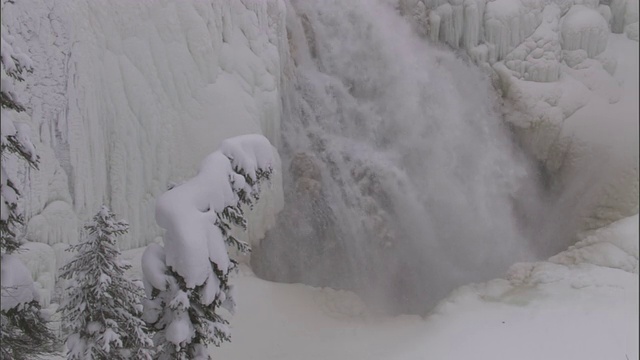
{"x": 189, "y": 212}
{"x": 189, "y": 276}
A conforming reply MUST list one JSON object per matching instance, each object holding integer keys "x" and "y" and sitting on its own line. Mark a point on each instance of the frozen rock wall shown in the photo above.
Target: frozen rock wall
{"x": 568, "y": 82}
{"x": 128, "y": 97}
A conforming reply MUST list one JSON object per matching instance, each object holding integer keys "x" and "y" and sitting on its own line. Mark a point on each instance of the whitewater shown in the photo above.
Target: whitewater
{"x": 405, "y": 181}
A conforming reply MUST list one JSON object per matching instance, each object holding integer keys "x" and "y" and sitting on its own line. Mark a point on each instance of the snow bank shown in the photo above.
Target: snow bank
{"x": 581, "y": 304}
{"x": 126, "y": 98}
{"x": 615, "y": 246}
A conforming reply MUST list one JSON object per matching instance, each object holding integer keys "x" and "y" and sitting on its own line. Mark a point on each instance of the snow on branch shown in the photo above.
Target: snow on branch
{"x": 187, "y": 280}
{"x": 189, "y": 212}
{"x": 24, "y": 332}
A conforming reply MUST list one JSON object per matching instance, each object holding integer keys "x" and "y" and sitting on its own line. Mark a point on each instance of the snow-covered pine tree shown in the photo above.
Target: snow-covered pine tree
{"x": 14, "y": 142}
{"x": 187, "y": 280}
{"x": 102, "y": 311}
{"x": 23, "y": 330}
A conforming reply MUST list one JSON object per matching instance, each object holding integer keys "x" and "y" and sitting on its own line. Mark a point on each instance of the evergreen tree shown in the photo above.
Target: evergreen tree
{"x": 23, "y": 329}
{"x": 187, "y": 318}
{"x": 14, "y": 142}
{"x": 102, "y": 313}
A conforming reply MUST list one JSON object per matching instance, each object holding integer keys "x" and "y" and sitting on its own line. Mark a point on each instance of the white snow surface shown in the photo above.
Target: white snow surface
{"x": 128, "y": 97}
{"x": 580, "y": 304}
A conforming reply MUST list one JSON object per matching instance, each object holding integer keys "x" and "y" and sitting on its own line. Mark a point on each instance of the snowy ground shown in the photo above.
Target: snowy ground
{"x": 580, "y": 304}
{"x": 587, "y": 310}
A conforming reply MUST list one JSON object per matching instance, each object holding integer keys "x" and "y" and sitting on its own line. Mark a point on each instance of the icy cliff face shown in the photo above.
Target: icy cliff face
{"x": 566, "y": 70}
{"x": 128, "y": 97}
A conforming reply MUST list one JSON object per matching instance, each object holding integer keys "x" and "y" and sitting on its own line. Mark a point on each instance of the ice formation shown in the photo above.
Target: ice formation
{"x": 553, "y": 60}
{"x": 127, "y": 98}
{"x": 41, "y": 260}
{"x": 580, "y": 304}
{"x": 586, "y": 29}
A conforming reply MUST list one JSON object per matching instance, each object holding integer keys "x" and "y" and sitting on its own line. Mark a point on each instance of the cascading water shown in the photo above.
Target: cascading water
{"x": 403, "y": 184}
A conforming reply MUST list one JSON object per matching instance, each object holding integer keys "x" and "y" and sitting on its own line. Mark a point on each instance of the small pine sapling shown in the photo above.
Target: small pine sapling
{"x": 102, "y": 313}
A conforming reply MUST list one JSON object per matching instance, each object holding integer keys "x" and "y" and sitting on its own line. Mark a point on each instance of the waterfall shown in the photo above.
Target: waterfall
{"x": 401, "y": 182}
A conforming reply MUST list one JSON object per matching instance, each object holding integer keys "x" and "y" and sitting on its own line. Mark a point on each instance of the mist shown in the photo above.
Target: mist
{"x": 405, "y": 182}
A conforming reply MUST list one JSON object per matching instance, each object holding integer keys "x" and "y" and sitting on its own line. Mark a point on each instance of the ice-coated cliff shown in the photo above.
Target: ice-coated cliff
{"x": 565, "y": 69}
{"x": 128, "y": 97}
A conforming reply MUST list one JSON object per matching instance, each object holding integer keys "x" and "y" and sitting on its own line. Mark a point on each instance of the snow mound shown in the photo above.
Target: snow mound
{"x": 615, "y": 246}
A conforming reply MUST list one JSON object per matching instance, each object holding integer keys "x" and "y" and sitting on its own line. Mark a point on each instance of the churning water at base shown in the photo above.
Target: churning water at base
{"x": 401, "y": 182}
